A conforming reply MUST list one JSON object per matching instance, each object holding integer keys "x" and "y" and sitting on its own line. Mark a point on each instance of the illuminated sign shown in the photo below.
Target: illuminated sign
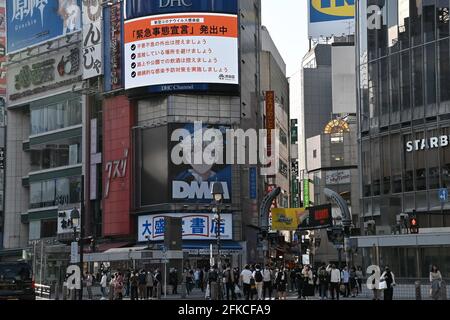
{"x": 195, "y": 226}
{"x": 181, "y": 49}
{"x": 425, "y": 144}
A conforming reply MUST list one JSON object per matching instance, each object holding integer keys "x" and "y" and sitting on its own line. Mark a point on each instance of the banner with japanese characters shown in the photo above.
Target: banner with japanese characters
{"x": 181, "y": 49}
{"x": 196, "y": 226}
{"x": 32, "y": 22}
{"x": 92, "y": 39}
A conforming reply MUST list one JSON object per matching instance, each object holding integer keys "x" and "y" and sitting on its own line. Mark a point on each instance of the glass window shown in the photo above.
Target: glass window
{"x": 445, "y": 161}
{"x": 405, "y": 86}
{"x": 430, "y": 82}
{"x": 395, "y": 88}
{"x": 48, "y": 193}
{"x": 386, "y": 165}
{"x": 35, "y": 195}
{"x": 429, "y": 24}
{"x": 403, "y": 23}
{"x": 49, "y": 228}
{"x": 373, "y": 94}
{"x": 419, "y": 163}
{"x": 442, "y": 18}
{"x": 75, "y": 189}
{"x": 417, "y": 78}
{"x": 375, "y": 156}
{"x": 395, "y": 161}
{"x": 415, "y": 7}
{"x": 283, "y": 137}
{"x": 62, "y": 192}
{"x": 433, "y": 163}
{"x": 444, "y": 75}
{"x": 393, "y": 28}
{"x": 365, "y": 154}
{"x": 409, "y": 166}
{"x": 384, "y": 91}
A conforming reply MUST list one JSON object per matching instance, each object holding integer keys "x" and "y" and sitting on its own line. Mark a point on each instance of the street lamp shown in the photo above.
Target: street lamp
{"x": 217, "y": 193}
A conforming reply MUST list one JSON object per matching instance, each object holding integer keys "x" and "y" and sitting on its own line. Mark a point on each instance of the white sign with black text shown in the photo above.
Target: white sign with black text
{"x": 92, "y": 39}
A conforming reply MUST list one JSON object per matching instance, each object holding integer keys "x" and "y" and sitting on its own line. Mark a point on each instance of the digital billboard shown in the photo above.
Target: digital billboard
{"x": 31, "y": 22}
{"x": 192, "y": 183}
{"x": 331, "y": 18}
{"x": 181, "y": 45}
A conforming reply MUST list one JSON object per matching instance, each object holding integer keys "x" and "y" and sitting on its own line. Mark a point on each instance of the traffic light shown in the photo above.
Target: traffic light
{"x": 413, "y": 225}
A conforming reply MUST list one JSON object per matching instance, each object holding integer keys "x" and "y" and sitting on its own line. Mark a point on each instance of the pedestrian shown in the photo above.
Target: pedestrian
{"x": 89, "y": 282}
{"x": 213, "y": 281}
{"x": 359, "y": 278}
{"x": 150, "y": 282}
{"x": 112, "y": 283}
{"x": 247, "y": 279}
{"x": 157, "y": 284}
{"x": 353, "y": 282}
{"x": 376, "y": 291}
{"x": 267, "y": 279}
{"x": 126, "y": 281}
{"x": 201, "y": 276}
{"x": 389, "y": 277}
{"x": 103, "y": 285}
{"x": 197, "y": 278}
{"x": 308, "y": 283}
{"x": 281, "y": 282}
{"x": 436, "y": 283}
{"x": 299, "y": 280}
{"x": 335, "y": 280}
{"x": 118, "y": 287}
{"x": 293, "y": 280}
{"x": 174, "y": 281}
{"x": 259, "y": 281}
{"x": 134, "y": 283}
{"x": 323, "y": 282}
{"x": 190, "y": 281}
{"x": 229, "y": 283}
{"x": 345, "y": 277}
{"x": 142, "y": 285}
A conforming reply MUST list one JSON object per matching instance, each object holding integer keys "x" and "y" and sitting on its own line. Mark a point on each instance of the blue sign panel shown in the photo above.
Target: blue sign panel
{"x": 31, "y": 22}
{"x": 331, "y": 10}
{"x": 253, "y": 172}
{"x": 144, "y": 8}
{"x": 443, "y": 195}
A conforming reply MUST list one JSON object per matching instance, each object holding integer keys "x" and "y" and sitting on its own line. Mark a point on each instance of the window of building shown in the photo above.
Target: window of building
{"x": 314, "y": 154}
{"x": 55, "y": 192}
{"x": 55, "y": 155}
{"x": 417, "y": 79}
{"x": 283, "y": 168}
{"x": 433, "y": 163}
{"x": 49, "y": 228}
{"x": 405, "y": 85}
{"x": 283, "y": 137}
{"x": 419, "y": 164}
{"x": 444, "y": 74}
{"x": 430, "y": 80}
{"x": 408, "y": 165}
{"x": 386, "y": 165}
{"x": 376, "y": 158}
{"x": 396, "y": 164}
{"x": 429, "y": 23}
{"x": 415, "y": 7}
{"x": 366, "y": 170}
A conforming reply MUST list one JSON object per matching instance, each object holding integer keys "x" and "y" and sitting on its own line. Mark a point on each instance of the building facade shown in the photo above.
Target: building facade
{"x": 403, "y": 105}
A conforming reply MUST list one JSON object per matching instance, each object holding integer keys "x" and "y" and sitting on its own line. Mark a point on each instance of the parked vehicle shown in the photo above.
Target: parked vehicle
{"x": 16, "y": 281}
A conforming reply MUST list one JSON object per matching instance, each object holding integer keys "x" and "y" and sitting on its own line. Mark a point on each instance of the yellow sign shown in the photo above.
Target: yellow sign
{"x": 288, "y": 219}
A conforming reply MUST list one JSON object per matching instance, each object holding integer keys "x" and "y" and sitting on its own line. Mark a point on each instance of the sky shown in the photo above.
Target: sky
{"x": 287, "y": 22}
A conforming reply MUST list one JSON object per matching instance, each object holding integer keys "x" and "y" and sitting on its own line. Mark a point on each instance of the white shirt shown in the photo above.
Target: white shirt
{"x": 335, "y": 275}
{"x": 266, "y": 275}
{"x": 246, "y": 276}
{"x": 103, "y": 281}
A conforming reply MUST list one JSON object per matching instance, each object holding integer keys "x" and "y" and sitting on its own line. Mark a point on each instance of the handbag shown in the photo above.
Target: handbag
{"x": 382, "y": 285}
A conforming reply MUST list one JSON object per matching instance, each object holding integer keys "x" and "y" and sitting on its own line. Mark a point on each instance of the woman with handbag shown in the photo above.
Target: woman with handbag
{"x": 308, "y": 284}
{"x": 389, "y": 278}
{"x": 435, "y": 280}
{"x": 281, "y": 282}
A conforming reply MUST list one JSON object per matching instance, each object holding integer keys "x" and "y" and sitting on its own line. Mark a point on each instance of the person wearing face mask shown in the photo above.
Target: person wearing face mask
{"x": 389, "y": 277}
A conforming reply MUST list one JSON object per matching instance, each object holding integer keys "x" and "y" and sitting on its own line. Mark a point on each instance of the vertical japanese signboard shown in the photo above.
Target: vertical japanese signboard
{"x": 92, "y": 39}
{"x": 116, "y": 46}
{"x": 306, "y": 196}
{"x": 270, "y": 119}
{"x": 2, "y": 49}
{"x": 253, "y": 183}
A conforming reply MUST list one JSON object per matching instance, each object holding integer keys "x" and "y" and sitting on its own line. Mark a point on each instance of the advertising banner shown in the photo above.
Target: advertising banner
{"x": 65, "y": 223}
{"x": 92, "y": 39}
{"x": 196, "y": 226}
{"x": 185, "y": 48}
{"x": 192, "y": 183}
{"x": 287, "y": 219}
{"x": 2, "y": 50}
{"x": 270, "y": 119}
{"x": 31, "y": 22}
{"x": 116, "y": 46}
{"x": 338, "y": 177}
{"x": 331, "y": 18}
{"x": 319, "y": 217}
{"x": 253, "y": 183}
{"x": 306, "y": 198}
{"x": 43, "y": 76}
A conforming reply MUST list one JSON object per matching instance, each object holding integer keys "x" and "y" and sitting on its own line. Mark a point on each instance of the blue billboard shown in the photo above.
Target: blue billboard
{"x": 144, "y": 8}
{"x": 31, "y": 22}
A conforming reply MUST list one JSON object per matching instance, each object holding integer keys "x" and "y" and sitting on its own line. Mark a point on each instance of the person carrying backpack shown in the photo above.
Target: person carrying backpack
{"x": 259, "y": 281}
{"x": 323, "y": 281}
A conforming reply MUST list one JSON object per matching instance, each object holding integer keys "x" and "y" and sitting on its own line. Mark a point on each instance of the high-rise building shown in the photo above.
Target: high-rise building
{"x": 404, "y": 110}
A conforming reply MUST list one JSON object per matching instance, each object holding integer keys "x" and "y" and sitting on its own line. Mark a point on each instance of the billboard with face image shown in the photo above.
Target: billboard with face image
{"x": 191, "y": 181}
